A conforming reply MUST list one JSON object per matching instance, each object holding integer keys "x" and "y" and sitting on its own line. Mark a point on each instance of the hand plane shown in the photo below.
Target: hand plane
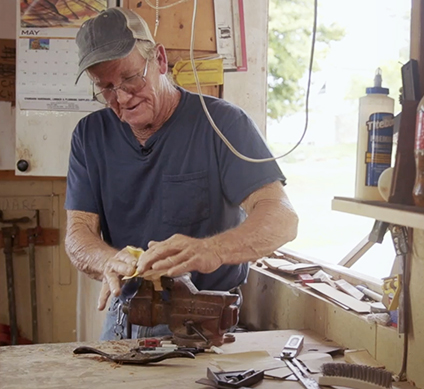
{"x": 196, "y": 318}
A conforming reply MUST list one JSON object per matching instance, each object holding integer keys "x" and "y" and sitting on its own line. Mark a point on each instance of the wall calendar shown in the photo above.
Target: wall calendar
{"x": 47, "y": 55}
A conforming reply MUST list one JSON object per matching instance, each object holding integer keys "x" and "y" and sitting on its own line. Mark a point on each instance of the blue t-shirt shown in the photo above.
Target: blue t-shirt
{"x": 183, "y": 180}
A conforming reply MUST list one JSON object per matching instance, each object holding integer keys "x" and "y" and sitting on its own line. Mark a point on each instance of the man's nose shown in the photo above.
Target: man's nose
{"x": 122, "y": 97}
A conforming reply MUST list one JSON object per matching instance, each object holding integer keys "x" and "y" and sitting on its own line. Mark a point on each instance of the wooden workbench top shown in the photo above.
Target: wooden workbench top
{"x": 55, "y": 365}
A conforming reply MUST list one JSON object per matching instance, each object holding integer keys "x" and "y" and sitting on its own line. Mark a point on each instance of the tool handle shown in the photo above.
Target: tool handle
{"x": 293, "y": 347}
{"x": 91, "y": 350}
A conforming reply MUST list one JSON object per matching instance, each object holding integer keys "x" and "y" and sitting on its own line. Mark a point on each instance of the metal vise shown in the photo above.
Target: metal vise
{"x": 196, "y": 318}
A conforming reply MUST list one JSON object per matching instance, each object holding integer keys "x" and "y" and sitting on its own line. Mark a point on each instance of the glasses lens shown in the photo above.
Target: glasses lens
{"x": 134, "y": 84}
{"x": 98, "y": 95}
{"x": 100, "y": 98}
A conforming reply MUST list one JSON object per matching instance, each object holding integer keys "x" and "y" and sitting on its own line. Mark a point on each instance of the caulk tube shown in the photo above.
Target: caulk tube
{"x": 375, "y": 139}
{"x": 370, "y": 293}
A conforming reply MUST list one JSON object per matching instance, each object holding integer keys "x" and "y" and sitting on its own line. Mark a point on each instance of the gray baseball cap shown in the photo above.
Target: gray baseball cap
{"x": 110, "y": 35}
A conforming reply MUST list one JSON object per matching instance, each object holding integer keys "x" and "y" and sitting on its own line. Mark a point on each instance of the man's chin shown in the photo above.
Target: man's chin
{"x": 135, "y": 122}
{"x": 137, "y": 125}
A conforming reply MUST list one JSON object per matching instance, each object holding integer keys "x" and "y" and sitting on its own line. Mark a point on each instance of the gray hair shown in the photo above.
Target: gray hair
{"x": 146, "y": 49}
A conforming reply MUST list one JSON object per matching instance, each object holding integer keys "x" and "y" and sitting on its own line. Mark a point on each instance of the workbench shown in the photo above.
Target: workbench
{"x": 55, "y": 365}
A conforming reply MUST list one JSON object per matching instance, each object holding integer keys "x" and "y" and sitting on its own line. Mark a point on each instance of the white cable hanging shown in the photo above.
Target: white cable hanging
{"x": 157, "y": 18}
{"x": 209, "y": 117}
{"x": 164, "y": 6}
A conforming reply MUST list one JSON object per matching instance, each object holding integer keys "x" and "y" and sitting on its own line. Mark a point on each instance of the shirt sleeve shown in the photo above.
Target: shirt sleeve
{"x": 240, "y": 178}
{"x": 79, "y": 192}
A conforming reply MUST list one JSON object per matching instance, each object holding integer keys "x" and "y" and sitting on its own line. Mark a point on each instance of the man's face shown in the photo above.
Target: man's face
{"x": 136, "y": 108}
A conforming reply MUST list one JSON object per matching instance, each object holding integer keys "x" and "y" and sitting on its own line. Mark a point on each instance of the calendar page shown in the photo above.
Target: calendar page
{"x": 47, "y": 55}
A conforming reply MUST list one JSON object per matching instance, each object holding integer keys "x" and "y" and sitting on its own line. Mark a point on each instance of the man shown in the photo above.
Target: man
{"x": 149, "y": 171}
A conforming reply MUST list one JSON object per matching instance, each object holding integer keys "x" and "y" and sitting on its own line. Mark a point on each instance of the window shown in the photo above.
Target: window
{"x": 354, "y": 38}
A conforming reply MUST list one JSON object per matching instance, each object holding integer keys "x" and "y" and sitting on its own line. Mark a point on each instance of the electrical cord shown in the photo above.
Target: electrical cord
{"x": 202, "y": 101}
{"x": 157, "y": 18}
{"x": 156, "y": 7}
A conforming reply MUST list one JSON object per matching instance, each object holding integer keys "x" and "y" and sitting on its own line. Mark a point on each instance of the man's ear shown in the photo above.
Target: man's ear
{"x": 162, "y": 59}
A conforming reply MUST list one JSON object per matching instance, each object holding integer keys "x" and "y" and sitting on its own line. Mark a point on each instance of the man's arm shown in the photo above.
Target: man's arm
{"x": 84, "y": 246}
{"x": 271, "y": 222}
{"x": 91, "y": 255}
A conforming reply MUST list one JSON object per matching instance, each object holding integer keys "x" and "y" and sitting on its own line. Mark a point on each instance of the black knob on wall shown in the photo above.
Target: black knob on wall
{"x": 22, "y": 165}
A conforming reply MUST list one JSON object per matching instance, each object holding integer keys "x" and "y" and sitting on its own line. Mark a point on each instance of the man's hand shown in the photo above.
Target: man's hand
{"x": 122, "y": 264}
{"x": 180, "y": 254}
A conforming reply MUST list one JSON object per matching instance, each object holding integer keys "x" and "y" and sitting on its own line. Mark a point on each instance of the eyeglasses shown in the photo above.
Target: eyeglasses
{"x": 131, "y": 85}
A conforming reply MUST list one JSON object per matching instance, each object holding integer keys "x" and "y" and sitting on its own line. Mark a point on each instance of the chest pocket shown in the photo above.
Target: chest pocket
{"x": 185, "y": 198}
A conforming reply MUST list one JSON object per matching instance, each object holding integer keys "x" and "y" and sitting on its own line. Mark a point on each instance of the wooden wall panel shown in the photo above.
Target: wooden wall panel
{"x": 55, "y": 276}
{"x": 7, "y": 136}
{"x": 389, "y": 348}
{"x": 316, "y": 315}
{"x": 174, "y": 29}
{"x": 270, "y": 305}
{"x": 349, "y": 329}
{"x": 249, "y": 89}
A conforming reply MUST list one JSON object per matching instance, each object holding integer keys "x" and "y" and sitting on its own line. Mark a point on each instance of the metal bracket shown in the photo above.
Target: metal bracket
{"x": 375, "y": 236}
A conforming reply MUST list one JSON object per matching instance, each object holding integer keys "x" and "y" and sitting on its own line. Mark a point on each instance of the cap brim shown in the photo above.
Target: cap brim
{"x": 113, "y": 51}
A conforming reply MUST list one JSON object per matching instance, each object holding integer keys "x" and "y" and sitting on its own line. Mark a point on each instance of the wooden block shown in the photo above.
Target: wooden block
{"x": 274, "y": 263}
{"x": 285, "y": 266}
{"x": 404, "y": 172}
{"x": 343, "y": 298}
{"x": 305, "y": 279}
{"x": 349, "y": 289}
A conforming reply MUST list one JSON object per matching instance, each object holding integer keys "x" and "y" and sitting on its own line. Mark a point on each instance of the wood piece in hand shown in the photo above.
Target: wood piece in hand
{"x": 150, "y": 275}
{"x": 136, "y": 253}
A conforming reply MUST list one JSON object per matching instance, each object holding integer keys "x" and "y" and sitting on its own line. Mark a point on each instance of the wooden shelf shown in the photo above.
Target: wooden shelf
{"x": 405, "y": 215}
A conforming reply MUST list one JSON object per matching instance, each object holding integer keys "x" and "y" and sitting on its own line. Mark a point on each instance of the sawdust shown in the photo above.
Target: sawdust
{"x": 117, "y": 342}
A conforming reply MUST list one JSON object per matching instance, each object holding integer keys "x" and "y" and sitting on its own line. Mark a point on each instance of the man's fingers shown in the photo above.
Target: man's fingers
{"x": 182, "y": 268}
{"x": 119, "y": 267}
{"x": 149, "y": 258}
{"x": 126, "y": 257}
{"x": 104, "y": 295}
{"x": 123, "y": 263}
{"x": 151, "y": 244}
{"x": 170, "y": 261}
{"x": 114, "y": 284}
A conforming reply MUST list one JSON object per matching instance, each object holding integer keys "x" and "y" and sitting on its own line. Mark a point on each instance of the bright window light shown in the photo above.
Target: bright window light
{"x": 354, "y": 39}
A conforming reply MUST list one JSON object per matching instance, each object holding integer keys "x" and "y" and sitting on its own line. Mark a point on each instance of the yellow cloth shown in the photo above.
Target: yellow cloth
{"x": 150, "y": 275}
